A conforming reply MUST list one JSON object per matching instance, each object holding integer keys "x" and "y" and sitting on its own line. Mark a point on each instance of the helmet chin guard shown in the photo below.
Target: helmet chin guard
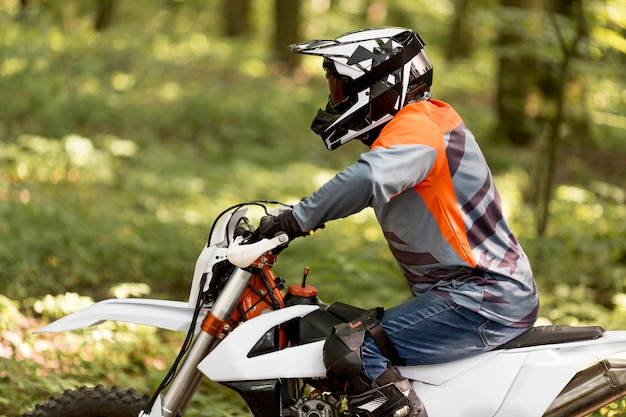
{"x": 371, "y": 74}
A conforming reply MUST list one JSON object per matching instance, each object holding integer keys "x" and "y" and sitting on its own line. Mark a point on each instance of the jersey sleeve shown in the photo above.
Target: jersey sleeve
{"x": 373, "y": 180}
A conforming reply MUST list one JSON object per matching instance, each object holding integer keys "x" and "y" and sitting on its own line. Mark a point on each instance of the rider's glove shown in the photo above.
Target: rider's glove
{"x": 269, "y": 225}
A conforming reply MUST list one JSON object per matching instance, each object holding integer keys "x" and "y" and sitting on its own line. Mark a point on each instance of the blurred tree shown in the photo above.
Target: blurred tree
{"x": 549, "y": 157}
{"x": 460, "y": 40}
{"x": 237, "y": 17}
{"x": 23, "y": 7}
{"x": 104, "y": 14}
{"x": 564, "y": 22}
{"x": 287, "y": 20}
{"x": 517, "y": 72}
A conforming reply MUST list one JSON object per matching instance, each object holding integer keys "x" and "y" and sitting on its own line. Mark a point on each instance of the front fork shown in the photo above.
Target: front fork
{"x": 214, "y": 328}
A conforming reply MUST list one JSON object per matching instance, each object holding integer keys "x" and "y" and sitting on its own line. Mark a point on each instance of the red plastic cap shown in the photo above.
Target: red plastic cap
{"x": 299, "y": 290}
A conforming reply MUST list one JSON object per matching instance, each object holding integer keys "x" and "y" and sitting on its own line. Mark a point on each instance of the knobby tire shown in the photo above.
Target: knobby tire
{"x": 98, "y": 401}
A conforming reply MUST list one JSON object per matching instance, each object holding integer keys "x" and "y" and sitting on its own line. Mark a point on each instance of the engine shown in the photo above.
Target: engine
{"x": 314, "y": 407}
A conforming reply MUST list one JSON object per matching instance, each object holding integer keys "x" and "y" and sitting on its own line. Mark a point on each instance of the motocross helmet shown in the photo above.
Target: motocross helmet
{"x": 372, "y": 74}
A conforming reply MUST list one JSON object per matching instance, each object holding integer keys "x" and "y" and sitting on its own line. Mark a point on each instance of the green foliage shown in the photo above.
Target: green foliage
{"x": 581, "y": 265}
{"x": 33, "y": 366}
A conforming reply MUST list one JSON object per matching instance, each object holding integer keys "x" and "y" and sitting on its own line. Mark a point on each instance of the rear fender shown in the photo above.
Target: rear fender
{"x": 163, "y": 314}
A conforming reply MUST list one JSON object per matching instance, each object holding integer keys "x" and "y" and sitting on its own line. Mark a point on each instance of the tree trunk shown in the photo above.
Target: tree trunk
{"x": 237, "y": 17}
{"x": 287, "y": 32}
{"x": 460, "y": 41}
{"x": 518, "y": 71}
{"x": 569, "y": 50}
{"x": 104, "y": 14}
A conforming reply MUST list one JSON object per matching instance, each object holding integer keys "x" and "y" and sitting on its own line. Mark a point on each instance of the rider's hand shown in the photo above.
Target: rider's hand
{"x": 269, "y": 226}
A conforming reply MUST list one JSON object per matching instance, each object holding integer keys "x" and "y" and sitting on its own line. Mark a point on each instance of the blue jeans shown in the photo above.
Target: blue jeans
{"x": 431, "y": 329}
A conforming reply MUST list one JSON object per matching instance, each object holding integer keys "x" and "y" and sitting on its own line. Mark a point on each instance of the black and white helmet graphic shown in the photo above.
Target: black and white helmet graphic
{"x": 372, "y": 74}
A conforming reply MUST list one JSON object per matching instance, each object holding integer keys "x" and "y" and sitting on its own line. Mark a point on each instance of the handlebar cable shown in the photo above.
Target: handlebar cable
{"x": 200, "y": 301}
{"x": 183, "y": 350}
{"x": 234, "y": 208}
{"x": 270, "y": 290}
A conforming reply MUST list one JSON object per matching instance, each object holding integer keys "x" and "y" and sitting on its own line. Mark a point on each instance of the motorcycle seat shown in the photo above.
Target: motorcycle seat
{"x": 549, "y": 335}
{"x": 345, "y": 312}
{"x": 535, "y": 336}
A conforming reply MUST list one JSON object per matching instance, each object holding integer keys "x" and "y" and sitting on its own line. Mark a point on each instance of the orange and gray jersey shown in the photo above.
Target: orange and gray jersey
{"x": 433, "y": 194}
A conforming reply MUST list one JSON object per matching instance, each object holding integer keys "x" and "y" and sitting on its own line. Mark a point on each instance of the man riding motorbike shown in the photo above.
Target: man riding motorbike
{"x": 434, "y": 197}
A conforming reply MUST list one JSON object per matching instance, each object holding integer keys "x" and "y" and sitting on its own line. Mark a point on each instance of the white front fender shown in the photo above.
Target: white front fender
{"x": 164, "y": 314}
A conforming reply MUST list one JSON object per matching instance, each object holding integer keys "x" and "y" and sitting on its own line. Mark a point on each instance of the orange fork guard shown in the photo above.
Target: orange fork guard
{"x": 215, "y": 326}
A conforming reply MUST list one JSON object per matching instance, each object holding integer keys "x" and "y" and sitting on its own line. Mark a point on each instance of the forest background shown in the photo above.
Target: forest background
{"x": 126, "y": 127}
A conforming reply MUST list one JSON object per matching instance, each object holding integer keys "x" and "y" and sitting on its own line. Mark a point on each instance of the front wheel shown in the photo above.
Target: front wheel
{"x": 96, "y": 401}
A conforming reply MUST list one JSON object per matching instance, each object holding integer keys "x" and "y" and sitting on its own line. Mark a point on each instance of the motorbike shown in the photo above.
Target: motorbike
{"x": 249, "y": 331}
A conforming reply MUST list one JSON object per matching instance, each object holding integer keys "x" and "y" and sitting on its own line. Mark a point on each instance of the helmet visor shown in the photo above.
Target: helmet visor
{"x": 337, "y": 90}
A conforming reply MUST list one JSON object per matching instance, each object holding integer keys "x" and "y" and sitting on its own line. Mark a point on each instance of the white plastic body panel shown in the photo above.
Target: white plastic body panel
{"x": 213, "y": 253}
{"x": 164, "y": 314}
{"x": 229, "y": 361}
{"x": 508, "y": 383}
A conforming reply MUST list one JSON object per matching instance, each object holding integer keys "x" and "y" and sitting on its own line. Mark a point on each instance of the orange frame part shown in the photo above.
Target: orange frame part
{"x": 254, "y": 301}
